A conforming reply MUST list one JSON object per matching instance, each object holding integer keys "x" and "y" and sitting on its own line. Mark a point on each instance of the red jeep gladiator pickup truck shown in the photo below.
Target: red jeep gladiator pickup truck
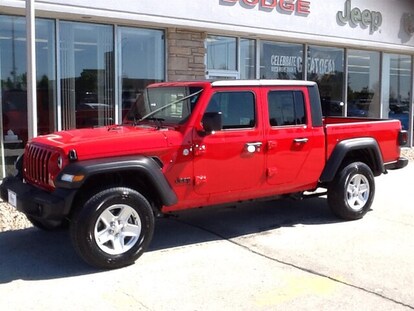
{"x": 194, "y": 144}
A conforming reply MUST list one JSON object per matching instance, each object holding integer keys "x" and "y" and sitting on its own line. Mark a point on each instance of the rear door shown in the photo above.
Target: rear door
{"x": 294, "y": 148}
{"x": 231, "y": 160}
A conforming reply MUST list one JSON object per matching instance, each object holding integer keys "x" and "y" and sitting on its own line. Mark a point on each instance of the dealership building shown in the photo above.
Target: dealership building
{"x": 72, "y": 64}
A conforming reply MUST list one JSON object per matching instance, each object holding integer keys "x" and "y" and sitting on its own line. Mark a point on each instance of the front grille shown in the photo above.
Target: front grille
{"x": 36, "y": 161}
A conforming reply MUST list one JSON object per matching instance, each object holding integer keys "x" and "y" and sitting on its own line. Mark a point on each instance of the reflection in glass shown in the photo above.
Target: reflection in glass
{"x": 286, "y": 108}
{"x": 221, "y": 53}
{"x": 164, "y": 105}
{"x": 13, "y": 85}
{"x": 247, "y": 59}
{"x": 141, "y": 62}
{"x": 281, "y": 61}
{"x": 397, "y": 87}
{"x": 363, "y": 84}
{"x": 87, "y": 74}
{"x": 13, "y": 78}
{"x": 46, "y": 79}
{"x": 326, "y": 67}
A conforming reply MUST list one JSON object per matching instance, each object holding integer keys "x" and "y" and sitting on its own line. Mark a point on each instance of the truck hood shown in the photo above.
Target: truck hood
{"x": 103, "y": 141}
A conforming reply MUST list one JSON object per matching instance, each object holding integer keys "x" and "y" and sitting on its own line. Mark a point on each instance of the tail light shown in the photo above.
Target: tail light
{"x": 402, "y": 138}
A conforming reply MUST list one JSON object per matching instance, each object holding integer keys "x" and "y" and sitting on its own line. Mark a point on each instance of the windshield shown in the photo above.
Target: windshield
{"x": 164, "y": 104}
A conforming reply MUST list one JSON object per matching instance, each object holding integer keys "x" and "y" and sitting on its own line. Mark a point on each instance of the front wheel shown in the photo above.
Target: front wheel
{"x": 113, "y": 228}
{"x": 351, "y": 193}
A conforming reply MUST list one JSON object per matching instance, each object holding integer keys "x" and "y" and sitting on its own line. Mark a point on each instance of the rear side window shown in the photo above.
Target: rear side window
{"x": 237, "y": 108}
{"x": 286, "y": 108}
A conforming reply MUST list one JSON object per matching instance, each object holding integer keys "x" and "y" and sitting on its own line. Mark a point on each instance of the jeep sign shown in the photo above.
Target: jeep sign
{"x": 355, "y": 16}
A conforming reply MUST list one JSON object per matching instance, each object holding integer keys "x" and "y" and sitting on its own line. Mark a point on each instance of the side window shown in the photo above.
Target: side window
{"x": 237, "y": 108}
{"x": 286, "y": 108}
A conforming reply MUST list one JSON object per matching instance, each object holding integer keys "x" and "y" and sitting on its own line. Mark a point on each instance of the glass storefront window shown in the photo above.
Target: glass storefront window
{"x": 46, "y": 76}
{"x": 230, "y": 58}
{"x": 87, "y": 74}
{"x": 247, "y": 59}
{"x": 281, "y": 61}
{"x": 326, "y": 67}
{"x": 13, "y": 79}
{"x": 142, "y": 53}
{"x": 396, "y": 81}
{"x": 221, "y": 53}
{"x": 13, "y": 85}
{"x": 363, "y": 84}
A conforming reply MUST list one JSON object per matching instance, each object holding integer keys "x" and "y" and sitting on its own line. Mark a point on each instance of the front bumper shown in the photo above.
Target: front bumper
{"x": 400, "y": 163}
{"x": 38, "y": 203}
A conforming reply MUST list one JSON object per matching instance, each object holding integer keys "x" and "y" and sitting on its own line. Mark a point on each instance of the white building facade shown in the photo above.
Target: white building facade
{"x": 94, "y": 58}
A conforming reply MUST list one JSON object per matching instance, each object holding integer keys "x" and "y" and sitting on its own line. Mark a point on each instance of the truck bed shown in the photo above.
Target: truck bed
{"x": 384, "y": 131}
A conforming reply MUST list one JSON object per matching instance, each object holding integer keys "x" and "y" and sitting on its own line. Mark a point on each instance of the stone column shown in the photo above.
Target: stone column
{"x": 186, "y": 52}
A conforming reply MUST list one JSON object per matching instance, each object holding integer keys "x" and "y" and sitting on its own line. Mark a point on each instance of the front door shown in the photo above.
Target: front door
{"x": 230, "y": 160}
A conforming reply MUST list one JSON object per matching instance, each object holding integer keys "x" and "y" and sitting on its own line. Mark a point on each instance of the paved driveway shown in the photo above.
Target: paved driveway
{"x": 280, "y": 255}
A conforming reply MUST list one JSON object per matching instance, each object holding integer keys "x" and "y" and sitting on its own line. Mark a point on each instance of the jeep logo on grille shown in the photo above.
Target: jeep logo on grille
{"x": 366, "y": 18}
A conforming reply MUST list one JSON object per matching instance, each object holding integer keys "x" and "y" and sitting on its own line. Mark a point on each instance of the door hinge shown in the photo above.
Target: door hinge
{"x": 199, "y": 180}
{"x": 199, "y": 150}
{"x": 271, "y": 171}
{"x": 271, "y": 144}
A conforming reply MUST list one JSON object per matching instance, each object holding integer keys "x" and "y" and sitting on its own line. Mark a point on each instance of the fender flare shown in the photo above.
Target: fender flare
{"x": 145, "y": 165}
{"x": 341, "y": 150}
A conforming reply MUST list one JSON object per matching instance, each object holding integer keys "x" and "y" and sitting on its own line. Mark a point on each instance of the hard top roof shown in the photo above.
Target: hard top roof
{"x": 228, "y": 83}
{"x": 262, "y": 82}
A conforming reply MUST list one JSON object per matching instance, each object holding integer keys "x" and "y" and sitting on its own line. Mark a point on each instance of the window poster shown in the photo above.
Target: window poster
{"x": 281, "y": 61}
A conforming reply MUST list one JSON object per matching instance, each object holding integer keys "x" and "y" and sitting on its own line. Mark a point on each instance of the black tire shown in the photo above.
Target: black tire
{"x": 101, "y": 215}
{"x": 351, "y": 193}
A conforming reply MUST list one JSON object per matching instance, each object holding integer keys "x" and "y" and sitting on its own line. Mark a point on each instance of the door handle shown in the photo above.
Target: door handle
{"x": 300, "y": 140}
{"x": 253, "y": 147}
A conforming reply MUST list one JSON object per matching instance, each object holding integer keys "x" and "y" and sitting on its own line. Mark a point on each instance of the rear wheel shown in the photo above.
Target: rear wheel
{"x": 351, "y": 193}
{"x": 113, "y": 228}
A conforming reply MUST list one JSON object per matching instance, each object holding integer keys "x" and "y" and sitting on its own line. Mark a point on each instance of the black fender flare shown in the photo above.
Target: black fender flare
{"x": 142, "y": 164}
{"x": 344, "y": 147}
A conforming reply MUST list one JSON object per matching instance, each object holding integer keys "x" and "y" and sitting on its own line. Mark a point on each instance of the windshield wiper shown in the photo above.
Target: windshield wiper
{"x": 158, "y": 120}
{"x": 147, "y": 116}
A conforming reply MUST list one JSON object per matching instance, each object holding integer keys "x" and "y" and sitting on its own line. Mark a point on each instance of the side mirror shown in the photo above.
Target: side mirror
{"x": 212, "y": 122}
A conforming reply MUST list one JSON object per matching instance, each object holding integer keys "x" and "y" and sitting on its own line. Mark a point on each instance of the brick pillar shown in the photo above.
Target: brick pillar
{"x": 186, "y": 53}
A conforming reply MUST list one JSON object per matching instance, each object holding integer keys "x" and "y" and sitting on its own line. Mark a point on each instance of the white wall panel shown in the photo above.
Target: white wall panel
{"x": 320, "y": 26}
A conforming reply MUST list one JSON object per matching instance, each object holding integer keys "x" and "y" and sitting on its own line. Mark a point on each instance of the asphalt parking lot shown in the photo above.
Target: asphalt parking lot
{"x": 279, "y": 255}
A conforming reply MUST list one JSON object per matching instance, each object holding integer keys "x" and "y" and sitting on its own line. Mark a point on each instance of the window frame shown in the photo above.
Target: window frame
{"x": 255, "y": 113}
{"x": 236, "y": 73}
{"x": 295, "y": 104}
